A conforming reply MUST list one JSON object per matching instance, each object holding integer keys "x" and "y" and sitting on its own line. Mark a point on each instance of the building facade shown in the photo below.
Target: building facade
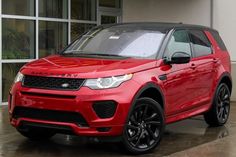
{"x": 32, "y": 29}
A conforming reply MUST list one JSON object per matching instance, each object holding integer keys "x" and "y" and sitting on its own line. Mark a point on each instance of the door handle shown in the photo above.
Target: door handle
{"x": 193, "y": 66}
{"x": 215, "y": 60}
{"x": 162, "y": 77}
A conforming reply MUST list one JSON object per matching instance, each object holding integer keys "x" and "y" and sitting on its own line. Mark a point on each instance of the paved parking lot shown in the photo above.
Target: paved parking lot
{"x": 188, "y": 138}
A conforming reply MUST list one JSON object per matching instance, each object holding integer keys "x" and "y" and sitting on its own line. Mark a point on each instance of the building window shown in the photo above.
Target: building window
{"x": 83, "y": 10}
{"x": 33, "y": 30}
{"x": 9, "y": 71}
{"x": 18, "y": 7}
{"x": 108, "y": 19}
{"x": 53, "y": 8}
{"x": 52, "y": 37}
{"x": 79, "y": 28}
{"x": 109, "y": 3}
{"x": 18, "y": 39}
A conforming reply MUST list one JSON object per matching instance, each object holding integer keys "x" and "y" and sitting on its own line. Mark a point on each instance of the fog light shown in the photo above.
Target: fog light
{"x": 105, "y": 109}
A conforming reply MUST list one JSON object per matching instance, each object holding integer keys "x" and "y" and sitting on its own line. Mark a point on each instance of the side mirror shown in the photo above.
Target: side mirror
{"x": 179, "y": 58}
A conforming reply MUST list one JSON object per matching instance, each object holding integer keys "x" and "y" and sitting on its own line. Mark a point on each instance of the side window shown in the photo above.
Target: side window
{"x": 179, "y": 42}
{"x": 219, "y": 41}
{"x": 201, "y": 44}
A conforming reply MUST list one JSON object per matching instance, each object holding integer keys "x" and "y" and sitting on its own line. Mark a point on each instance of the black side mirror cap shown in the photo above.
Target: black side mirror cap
{"x": 179, "y": 58}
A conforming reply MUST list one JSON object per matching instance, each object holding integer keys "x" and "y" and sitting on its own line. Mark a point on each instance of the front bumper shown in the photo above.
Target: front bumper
{"x": 80, "y": 101}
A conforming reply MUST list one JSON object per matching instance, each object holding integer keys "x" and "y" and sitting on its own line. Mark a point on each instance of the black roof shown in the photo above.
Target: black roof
{"x": 160, "y": 26}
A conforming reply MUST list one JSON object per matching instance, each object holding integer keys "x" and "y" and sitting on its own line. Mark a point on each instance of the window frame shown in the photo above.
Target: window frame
{"x": 216, "y": 35}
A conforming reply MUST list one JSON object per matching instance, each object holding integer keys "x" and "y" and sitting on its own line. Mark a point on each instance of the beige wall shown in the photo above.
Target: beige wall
{"x": 225, "y": 22}
{"x": 186, "y": 11}
{"x": 192, "y": 12}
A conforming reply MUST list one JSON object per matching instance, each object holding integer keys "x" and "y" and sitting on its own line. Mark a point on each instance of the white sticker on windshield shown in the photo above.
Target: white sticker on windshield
{"x": 114, "y": 37}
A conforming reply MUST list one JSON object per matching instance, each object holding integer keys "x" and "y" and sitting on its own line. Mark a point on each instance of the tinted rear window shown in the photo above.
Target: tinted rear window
{"x": 219, "y": 40}
{"x": 201, "y": 44}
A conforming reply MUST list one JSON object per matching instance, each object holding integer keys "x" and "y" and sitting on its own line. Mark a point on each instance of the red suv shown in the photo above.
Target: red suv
{"x": 125, "y": 81}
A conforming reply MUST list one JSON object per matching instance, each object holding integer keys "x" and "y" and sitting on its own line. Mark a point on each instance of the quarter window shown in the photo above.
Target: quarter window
{"x": 201, "y": 44}
{"x": 219, "y": 41}
{"x": 179, "y": 42}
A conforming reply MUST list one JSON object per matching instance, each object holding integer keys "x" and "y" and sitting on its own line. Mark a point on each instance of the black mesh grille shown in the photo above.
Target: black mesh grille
{"x": 57, "y": 128}
{"x": 52, "y": 82}
{"x": 105, "y": 109}
{"x": 50, "y": 115}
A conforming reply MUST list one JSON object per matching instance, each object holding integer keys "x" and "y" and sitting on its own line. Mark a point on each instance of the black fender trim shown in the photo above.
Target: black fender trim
{"x": 148, "y": 86}
{"x": 137, "y": 95}
{"x": 225, "y": 74}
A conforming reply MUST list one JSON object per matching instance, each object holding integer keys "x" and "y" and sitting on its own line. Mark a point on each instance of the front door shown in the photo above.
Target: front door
{"x": 179, "y": 85}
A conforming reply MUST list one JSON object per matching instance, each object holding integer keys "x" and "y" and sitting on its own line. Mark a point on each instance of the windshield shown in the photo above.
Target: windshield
{"x": 115, "y": 41}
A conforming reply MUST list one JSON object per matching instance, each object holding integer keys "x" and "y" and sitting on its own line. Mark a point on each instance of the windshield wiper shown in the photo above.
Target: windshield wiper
{"x": 103, "y": 54}
{"x": 75, "y": 53}
{"x": 72, "y": 52}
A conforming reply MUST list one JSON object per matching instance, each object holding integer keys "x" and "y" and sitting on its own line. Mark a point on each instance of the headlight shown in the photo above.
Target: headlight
{"x": 19, "y": 77}
{"x": 108, "y": 82}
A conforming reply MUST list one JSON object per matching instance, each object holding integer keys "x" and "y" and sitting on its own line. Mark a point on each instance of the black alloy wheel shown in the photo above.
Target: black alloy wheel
{"x": 145, "y": 126}
{"x": 223, "y": 104}
{"x": 219, "y": 113}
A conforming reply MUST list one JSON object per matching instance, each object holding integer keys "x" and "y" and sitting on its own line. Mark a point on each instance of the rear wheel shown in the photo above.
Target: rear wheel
{"x": 145, "y": 127}
{"x": 37, "y": 133}
{"x": 219, "y": 113}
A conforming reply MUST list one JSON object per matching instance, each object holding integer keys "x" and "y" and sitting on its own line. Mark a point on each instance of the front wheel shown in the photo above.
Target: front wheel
{"x": 219, "y": 112}
{"x": 145, "y": 126}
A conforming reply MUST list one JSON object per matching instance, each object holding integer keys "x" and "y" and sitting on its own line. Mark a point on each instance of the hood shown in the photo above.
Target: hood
{"x": 75, "y": 67}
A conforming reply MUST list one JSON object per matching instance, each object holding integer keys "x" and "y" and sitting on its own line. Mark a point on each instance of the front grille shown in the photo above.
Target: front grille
{"x": 52, "y": 82}
{"x": 50, "y": 115}
{"x": 25, "y": 125}
{"x": 105, "y": 109}
{"x": 59, "y": 96}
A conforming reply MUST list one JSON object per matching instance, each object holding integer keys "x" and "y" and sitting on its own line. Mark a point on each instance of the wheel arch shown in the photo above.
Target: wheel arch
{"x": 226, "y": 78}
{"x": 153, "y": 91}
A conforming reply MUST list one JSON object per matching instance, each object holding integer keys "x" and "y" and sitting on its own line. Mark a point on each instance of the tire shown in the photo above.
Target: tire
{"x": 37, "y": 133}
{"x": 219, "y": 112}
{"x": 144, "y": 128}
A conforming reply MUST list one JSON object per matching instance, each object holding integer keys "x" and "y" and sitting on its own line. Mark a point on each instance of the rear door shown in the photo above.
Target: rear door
{"x": 203, "y": 62}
